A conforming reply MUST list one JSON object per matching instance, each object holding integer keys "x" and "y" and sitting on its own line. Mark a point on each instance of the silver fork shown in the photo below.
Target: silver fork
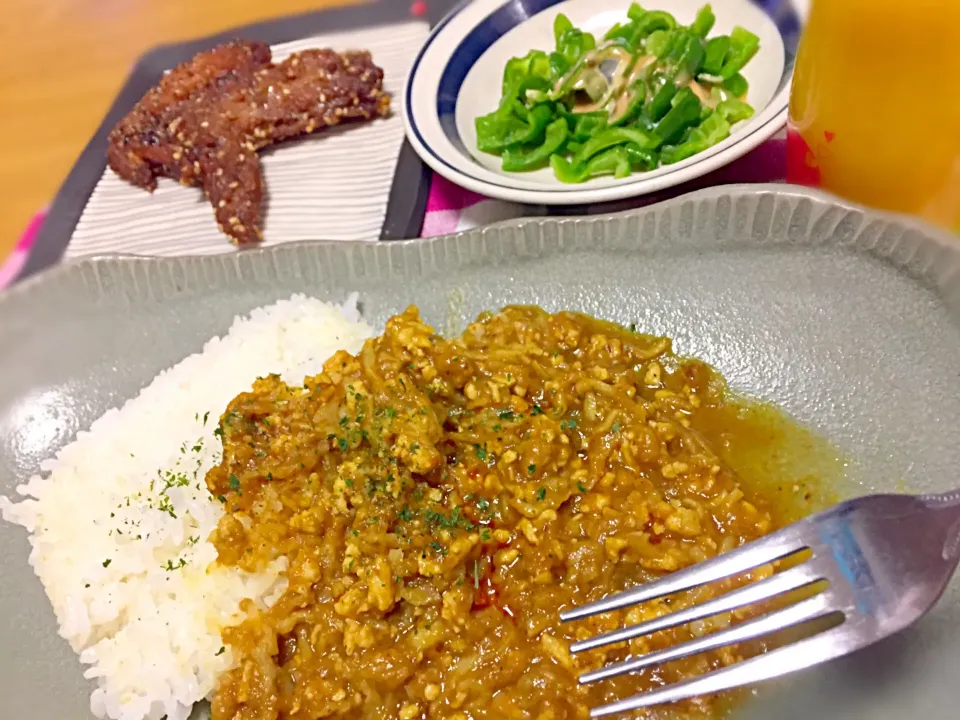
{"x": 885, "y": 560}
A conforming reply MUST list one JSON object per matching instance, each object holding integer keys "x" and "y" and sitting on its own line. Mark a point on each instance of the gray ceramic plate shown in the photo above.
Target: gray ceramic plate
{"x": 846, "y": 318}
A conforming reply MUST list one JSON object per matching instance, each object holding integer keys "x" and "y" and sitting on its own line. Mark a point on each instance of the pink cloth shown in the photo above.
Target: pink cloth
{"x": 451, "y": 208}
{"x": 444, "y": 206}
{"x": 11, "y": 267}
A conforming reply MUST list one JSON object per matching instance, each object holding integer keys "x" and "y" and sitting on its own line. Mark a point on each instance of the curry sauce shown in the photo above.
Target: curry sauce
{"x": 439, "y": 502}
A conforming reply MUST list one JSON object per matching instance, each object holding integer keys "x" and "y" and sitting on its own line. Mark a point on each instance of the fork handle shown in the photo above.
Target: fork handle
{"x": 950, "y": 502}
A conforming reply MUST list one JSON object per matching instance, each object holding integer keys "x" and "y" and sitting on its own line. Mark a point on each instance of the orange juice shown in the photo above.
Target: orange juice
{"x": 875, "y": 105}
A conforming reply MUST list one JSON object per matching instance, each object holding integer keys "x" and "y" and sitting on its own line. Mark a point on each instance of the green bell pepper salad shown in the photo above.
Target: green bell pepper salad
{"x": 650, "y": 92}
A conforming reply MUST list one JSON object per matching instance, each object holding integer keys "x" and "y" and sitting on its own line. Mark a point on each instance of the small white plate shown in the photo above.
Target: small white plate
{"x": 457, "y": 77}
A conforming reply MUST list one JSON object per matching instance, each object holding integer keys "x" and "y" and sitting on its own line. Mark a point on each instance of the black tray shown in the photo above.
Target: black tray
{"x": 411, "y": 182}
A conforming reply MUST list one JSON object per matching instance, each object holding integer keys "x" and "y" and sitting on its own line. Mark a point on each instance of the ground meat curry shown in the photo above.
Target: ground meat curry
{"x": 439, "y": 502}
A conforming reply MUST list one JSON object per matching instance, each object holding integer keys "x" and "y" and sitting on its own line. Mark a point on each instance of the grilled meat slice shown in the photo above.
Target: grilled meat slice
{"x": 204, "y": 122}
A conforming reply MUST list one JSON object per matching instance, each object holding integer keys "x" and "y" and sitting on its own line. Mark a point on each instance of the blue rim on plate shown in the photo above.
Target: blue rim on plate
{"x": 782, "y": 13}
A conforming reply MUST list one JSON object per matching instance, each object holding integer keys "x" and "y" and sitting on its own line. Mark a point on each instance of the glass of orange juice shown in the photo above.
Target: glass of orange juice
{"x": 875, "y": 105}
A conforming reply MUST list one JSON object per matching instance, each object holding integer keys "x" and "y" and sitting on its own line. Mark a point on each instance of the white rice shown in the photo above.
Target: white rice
{"x": 125, "y": 562}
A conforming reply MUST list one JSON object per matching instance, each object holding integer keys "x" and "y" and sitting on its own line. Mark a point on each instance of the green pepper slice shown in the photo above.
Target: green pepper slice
{"x": 743, "y": 46}
{"x": 635, "y": 12}
{"x": 654, "y": 20}
{"x": 704, "y": 21}
{"x": 532, "y": 70}
{"x": 660, "y": 42}
{"x": 625, "y": 34}
{"x": 734, "y": 110}
{"x": 494, "y": 129}
{"x": 662, "y": 91}
{"x": 561, "y": 26}
{"x": 685, "y": 59}
{"x": 711, "y": 131}
{"x": 519, "y": 160}
{"x": 737, "y": 85}
{"x": 572, "y": 43}
{"x": 617, "y": 136}
{"x": 501, "y": 129}
{"x": 641, "y": 159}
{"x": 715, "y": 54}
{"x": 684, "y": 112}
{"x": 615, "y": 161}
{"x": 634, "y": 106}
{"x": 584, "y": 126}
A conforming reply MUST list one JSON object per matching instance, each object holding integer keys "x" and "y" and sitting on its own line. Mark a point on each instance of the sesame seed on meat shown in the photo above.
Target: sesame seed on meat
{"x": 204, "y": 121}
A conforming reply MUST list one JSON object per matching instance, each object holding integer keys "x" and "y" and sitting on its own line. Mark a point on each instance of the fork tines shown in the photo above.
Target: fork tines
{"x": 778, "y": 546}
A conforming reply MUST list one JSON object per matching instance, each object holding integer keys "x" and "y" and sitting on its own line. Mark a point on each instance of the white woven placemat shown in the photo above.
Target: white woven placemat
{"x": 331, "y": 186}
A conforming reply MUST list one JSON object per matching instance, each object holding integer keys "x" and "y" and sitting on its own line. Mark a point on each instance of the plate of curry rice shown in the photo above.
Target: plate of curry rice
{"x": 357, "y": 481}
